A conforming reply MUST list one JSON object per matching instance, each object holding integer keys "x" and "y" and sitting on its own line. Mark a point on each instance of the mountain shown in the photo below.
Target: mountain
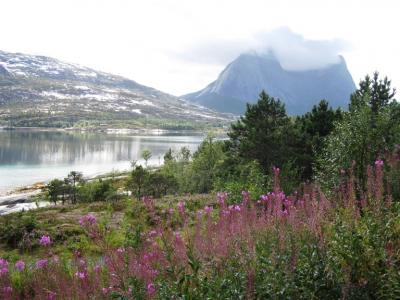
{"x": 244, "y": 78}
{"x": 43, "y": 91}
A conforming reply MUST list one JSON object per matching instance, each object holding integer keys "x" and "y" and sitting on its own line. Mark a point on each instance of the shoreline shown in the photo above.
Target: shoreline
{"x": 23, "y": 198}
{"x": 19, "y": 200}
{"x": 14, "y": 196}
{"x": 153, "y": 131}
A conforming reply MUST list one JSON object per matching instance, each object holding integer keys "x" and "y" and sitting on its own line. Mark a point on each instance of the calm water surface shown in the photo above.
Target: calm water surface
{"x": 29, "y": 156}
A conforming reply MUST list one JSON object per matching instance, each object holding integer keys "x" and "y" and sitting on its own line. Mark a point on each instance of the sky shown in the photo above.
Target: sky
{"x": 180, "y": 46}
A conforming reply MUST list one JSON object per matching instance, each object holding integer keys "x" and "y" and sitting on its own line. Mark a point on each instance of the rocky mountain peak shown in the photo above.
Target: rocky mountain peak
{"x": 245, "y": 77}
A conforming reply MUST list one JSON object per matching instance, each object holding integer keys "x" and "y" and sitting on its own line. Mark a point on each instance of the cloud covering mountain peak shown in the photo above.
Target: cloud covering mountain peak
{"x": 293, "y": 51}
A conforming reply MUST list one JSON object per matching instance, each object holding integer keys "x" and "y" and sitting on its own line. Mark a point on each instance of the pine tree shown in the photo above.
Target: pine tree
{"x": 263, "y": 133}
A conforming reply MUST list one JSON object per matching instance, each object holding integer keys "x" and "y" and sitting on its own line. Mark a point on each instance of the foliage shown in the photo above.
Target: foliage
{"x": 146, "y": 155}
{"x": 267, "y": 135}
{"x": 369, "y": 130}
{"x": 195, "y": 173}
{"x": 202, "y": 171}
{"x": 263, "y": 133}
{"x": 73, "y": 179}
{"x": 293, "y": 242}
{"x": 156, "y": 183}
{"x": 98, "y": 190}
{"x": 136, "y": 181}
{"x": 16, "y": 231}
{"x": 301, "y": 246}
{"x": 54, "y": 189}
{"x": 243, "y": 177}
{"x": 312, "y": 128}
{"x": 74, "y": 189}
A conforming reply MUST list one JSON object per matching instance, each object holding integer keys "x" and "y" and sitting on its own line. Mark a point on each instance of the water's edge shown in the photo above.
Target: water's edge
{"x": 24, "y": 198}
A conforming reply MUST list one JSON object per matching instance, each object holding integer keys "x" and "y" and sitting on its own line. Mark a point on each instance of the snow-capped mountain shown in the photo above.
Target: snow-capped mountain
{"x": 244, "y": 78}
{"x": 43, "y": 91}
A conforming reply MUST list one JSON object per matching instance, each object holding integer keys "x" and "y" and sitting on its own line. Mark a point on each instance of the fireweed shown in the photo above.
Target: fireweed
{"x": 279, "y": 246}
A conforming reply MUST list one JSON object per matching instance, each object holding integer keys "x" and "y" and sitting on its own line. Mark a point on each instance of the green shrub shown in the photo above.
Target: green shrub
{"x": 17, "y": 231}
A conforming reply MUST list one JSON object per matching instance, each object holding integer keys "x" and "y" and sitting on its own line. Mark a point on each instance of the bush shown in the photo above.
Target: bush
{"x": 246, "y": 177}
{"x": 17, "y": 231}
{"x": 97, "y": 190}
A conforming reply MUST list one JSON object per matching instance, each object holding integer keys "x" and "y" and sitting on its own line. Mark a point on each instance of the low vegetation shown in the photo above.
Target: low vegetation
{"x": 285, "y": 208}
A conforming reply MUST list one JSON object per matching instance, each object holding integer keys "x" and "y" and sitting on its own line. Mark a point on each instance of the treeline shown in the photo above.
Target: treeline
{"x": 324, "y": 145}
{"x": 74, "y": 188}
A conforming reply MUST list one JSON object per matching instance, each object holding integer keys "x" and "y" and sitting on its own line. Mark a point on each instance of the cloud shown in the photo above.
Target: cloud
{"x": 293, "y": 51}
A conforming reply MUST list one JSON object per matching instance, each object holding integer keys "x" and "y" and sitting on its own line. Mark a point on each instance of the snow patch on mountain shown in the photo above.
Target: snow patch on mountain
{"x": 45, "y": 84}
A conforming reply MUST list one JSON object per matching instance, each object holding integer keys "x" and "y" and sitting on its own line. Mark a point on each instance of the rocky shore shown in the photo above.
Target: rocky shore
{"x": 22, "y": 198}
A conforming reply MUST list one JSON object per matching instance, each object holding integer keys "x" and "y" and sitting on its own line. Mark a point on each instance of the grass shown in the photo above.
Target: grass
{"x": 62, "y": 221}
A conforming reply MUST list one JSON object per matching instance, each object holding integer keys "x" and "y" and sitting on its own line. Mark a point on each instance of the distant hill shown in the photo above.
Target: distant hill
{"x": 43, "y": 91}
{"x": 244, "y": 78}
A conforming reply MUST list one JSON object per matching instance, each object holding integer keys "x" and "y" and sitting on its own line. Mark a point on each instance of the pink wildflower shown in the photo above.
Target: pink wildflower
{"x": 379, "y": 163}
{"x": 51, "y": 295}
{"x": 88, "y": 220}
{"x": 80, "y": 275}
{"x": 41, "y": 263}
{"x": 245, "y": 196}
{"x": 151, "y": 288}
{"x": 181, "y": 207}
{"x": 3, "y": 266}
{"x": 178, "y": 235}
{"x": 97, "y": 269}
{"x": 208, "y": 209}
{"x": 7, "y": 290}
{"x": 221, "y": 198}
{"x": 225, "y": 212}
{"x": 3, "y": 263}
{"x": 276, "y": 170}
{"x": 152, "y": 233}
{"x": 45, "y": 240}
{"x": 20, "y": 265}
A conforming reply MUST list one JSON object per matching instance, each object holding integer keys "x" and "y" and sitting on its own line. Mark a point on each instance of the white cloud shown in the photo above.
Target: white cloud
{"x": 297, "y": 53}
{"x": 292, "y": 50}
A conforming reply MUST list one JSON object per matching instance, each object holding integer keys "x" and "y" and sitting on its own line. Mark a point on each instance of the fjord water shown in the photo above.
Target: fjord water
{"x": 29, "y": 156}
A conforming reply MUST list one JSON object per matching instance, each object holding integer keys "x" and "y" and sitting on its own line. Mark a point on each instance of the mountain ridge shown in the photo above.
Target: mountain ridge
{"x": 44, "y": 91}
{"x": 245, "y": 77}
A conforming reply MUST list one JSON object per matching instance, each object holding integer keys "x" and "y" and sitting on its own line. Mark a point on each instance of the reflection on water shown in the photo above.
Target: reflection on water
{"x": 28, "y": 156}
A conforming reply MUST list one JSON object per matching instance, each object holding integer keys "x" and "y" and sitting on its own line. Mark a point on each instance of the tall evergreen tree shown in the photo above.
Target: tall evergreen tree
{"x": 263, "y": 133}
{"x": 73, "y": 179}
{"x": 312, "y": 128}
{"x": 374, "y": 92}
